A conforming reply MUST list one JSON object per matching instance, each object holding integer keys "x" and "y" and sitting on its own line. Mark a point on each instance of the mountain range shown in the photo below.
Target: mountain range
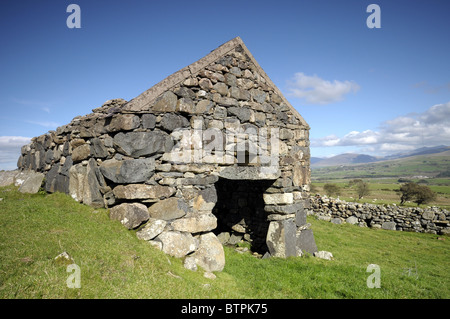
{"x": 352, "y": 158}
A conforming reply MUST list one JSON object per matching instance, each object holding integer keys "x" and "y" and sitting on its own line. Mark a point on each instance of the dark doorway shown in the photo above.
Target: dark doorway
{"x": 240, "y": 212}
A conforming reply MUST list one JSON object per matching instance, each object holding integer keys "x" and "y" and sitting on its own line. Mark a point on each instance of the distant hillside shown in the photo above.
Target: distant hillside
{"x": 420, "y": 151}
{"x": 352, "y": 158}
{"x": 343, "y": 159}
{"x": 418, "y": 166}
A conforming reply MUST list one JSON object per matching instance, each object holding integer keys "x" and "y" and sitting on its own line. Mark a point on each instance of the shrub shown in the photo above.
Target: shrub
{"x": 331, "y": 189}
{"x": 419, "y": 194}
{"x": 362, "y": 188}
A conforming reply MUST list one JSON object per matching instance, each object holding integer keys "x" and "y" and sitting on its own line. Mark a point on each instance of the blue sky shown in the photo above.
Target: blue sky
{"x": 373, "y": 91}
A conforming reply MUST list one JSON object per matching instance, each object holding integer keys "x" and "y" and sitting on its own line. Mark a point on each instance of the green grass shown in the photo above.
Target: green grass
{"x": 383, "y": 192}
{"x": 420, "y": 165}
{"x": 115, "y": 264}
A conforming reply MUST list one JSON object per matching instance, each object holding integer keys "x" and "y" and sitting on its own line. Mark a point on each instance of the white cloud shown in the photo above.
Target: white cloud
{"x": 429, "y": 128}
{"x": 10, "y": 150}
{"x": 319, "y": 91}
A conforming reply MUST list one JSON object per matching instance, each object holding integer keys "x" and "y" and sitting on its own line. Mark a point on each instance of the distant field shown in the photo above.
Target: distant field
{"x": 429, "y": 167}
{"x": 387, "y": 176}
{"x": 383, "y": 193}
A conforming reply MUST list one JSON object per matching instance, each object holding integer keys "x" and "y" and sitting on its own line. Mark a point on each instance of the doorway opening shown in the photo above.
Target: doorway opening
{"x": 240, "y": 213}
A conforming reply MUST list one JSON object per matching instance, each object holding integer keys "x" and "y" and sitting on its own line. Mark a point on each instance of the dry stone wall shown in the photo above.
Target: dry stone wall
{"x": 154, "y": 161}
{"x": 392, "y": 217}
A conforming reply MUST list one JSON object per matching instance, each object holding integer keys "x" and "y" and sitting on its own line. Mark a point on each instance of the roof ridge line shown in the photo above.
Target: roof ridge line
{"x": 150, "y": 95}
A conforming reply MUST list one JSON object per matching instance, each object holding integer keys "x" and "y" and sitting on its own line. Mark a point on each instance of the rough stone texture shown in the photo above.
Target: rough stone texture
{"x": 137, "y": 144}
{"x": 210, "y": 254}
{"x": 84, "y": 184}
{"x": 388, "y": 225}
{"x": 124, "y": 122}
{"x": 167, "y": 209}
{"x": 151, "y": 229}
{"x": 128, "y": 171}
{"x": 281, "y": 238}
{"x": 143, "y": 191}
{"x": 8, "y": 177}
{"x": 130, "y": 215}
{"x": 306, "y": 241}
{"x": 165, "y": 153}
{"x": 274, "y": 199}
{"x": 32, "y": 182}
{"x": 81, "y": 152}
{"x": 190, "y": 263}
{"x": 392, "y": 217}
{"x": 324, "y": 255}
{"x": 177, "y": 244}
{"x": 195, "y": 223}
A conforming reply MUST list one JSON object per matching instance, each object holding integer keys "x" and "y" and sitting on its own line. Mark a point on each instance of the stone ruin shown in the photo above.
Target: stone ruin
{"x": 213, "y": 154}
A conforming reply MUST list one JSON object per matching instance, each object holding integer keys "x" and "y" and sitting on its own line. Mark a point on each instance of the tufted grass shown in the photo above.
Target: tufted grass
{"x": 115, "y": 264}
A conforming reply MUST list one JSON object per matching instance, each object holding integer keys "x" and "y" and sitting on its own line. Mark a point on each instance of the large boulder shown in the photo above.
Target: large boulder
{"x": 167, "y": 102}
{"x": 81, "y": 152}
{"x": 143, "y": 191}
{"x": 151, "y": 229}
{"x": 128, "y": 171}
{"x": 32, "y": 182}
{"x": 281, "y": 238}
{"x": 167, "y": 209}
{"x": 199, "y": 222}
{"x": 171, "y": 121}
{"x": 306, "y": 242}
{"x": 177, "y": 244}
{"x": 210, "y": 254}
{"x": 85, "y": 182}
{"x": 7, "y": 177}
{"x": 131, "y": 215}
{"x": 278, "y": 199}
{"x": 124, "y": 122}
{"x": 389, "y": 225}
{"x": 136, "y": 144}
{"x": 57, "y": 178}
{"x": 206, "y": 199}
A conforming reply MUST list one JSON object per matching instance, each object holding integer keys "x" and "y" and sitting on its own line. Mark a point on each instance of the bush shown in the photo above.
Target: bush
{"x": 419, "y": 194}
{"x": 331, "y": 189}
{"x": 362, "y": 188}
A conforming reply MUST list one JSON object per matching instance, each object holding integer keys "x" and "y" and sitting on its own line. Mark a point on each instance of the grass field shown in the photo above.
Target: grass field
{"x": 115, "y": 264}
{"x": 429, "y": 167}
{"x": 383, "y": 192}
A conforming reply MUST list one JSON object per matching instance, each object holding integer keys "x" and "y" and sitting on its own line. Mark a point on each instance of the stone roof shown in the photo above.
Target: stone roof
{"x": 145, "y": 100}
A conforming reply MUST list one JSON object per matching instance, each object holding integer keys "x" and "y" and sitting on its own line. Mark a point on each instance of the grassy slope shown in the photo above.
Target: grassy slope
{"x": 115, "y": 264}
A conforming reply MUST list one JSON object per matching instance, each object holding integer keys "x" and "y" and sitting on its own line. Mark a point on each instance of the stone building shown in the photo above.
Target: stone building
{"x": 212, "y": 154}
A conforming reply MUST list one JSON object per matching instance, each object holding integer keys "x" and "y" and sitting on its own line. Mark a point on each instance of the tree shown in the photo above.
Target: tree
{"x": 362, "y": 188}
{"x": 419, "y": 194}
{"x": 354, "y": 182}
{"x": 424, "y": 195}
{"x": 407, "y": 192}
{"x": 331, "y": 189}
